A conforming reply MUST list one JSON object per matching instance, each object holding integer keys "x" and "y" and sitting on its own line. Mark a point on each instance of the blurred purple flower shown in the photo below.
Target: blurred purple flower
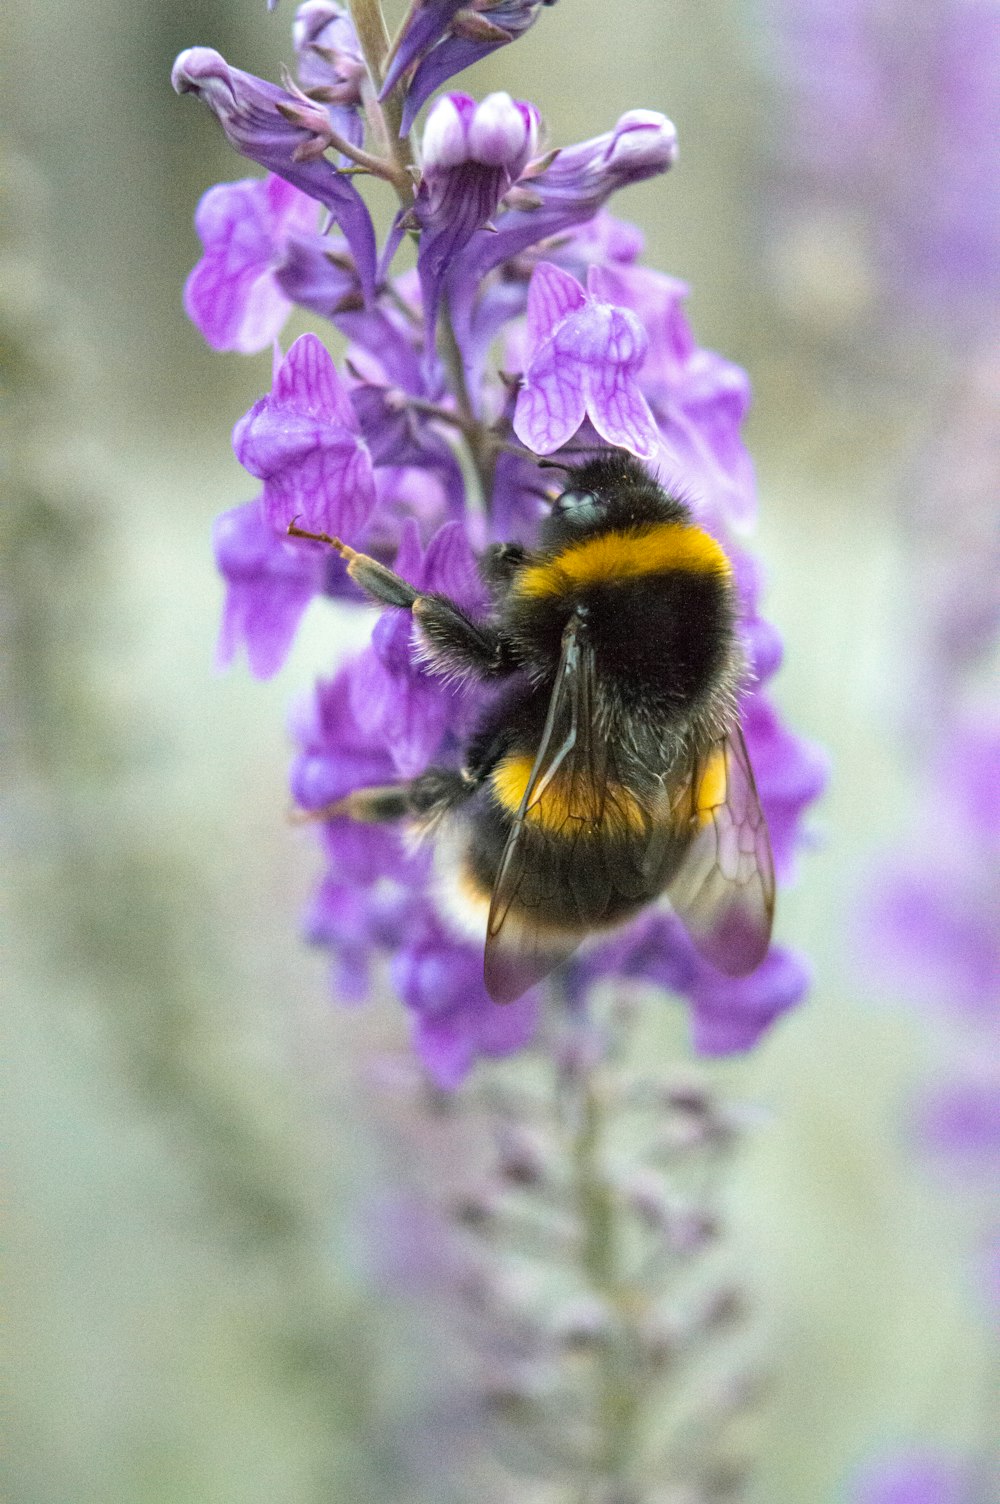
{"x": 918, "y": 1476}
{"x": 304, "y": 443}
{"x": 895, "y": 118}
{"x": 233, "y": 295}
{"x": 440, "y": 979}
{"x": 933, "y": 919}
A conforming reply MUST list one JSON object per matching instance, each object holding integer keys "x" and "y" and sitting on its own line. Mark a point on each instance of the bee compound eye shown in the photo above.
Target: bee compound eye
{"x": 577, "y": 506}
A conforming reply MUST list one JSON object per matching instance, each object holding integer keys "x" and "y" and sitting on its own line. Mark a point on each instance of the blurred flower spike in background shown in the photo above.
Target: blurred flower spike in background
{"x": 528, "y": 327}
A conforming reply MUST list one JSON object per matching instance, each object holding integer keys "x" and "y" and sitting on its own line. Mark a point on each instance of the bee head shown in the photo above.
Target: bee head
{"x": 611, "y": 492}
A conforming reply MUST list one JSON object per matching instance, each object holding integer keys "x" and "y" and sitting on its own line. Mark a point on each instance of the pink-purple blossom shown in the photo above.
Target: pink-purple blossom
{"x": 583, "y": 360}
{"x": 304, "y": 442}
{"x": 270, "y": 581}
{"x": 233, "y": 295}
{"x": 473, "y": 154}
{"x": 284, "y": 133}
{"x": 443, "y": 37}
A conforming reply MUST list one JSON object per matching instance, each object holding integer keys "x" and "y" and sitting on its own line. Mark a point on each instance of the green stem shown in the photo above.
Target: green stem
{"x": 617, "y": 1393}
{"x": 482, "y": 441}
{"x": 369, "y": 23}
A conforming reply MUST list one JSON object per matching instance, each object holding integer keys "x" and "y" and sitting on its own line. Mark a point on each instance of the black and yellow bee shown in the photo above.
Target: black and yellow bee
{"x": 611, "y": 767}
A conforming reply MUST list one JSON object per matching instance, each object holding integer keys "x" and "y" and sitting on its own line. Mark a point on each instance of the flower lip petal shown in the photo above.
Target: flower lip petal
{"x": 445, "y": 143}
{"x": 502, "y": 132}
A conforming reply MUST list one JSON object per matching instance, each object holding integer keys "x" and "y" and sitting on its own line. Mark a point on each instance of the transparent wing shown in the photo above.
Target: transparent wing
{"x": 724, "y": 888}
{"x": 581, "y": 845}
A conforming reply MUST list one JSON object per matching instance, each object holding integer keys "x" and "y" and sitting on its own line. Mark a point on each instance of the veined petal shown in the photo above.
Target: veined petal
{"x": 551, "y": 404}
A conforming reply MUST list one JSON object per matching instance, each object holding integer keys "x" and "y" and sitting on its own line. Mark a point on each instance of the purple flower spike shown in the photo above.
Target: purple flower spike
{"x": 285, "y": 133}
{"x": 473, "y": 153}
{"x": 233, "y": 295}
{"x": 443, "y": 37}
{"x": 583, "y": 363}
{"x": 269, "y": 583}
{"x": 303, "y": 442}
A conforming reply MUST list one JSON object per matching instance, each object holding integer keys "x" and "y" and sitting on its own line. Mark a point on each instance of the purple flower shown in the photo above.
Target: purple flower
{"x": 304, "y": 443}
{"x": 440, "y": 979}
{"x": 473, "y": 153}
{"x": 565, "y": 192}
{"x": 583, "y": 362}
{"x": 233, "y": 295}
{"x": 285, "y": 134}
{"x": 961, "y": 1119}
{"x": 918, "y": 1476}
{"x": 443, "y": 37}
{"x": 269, "y": 583}
{"x": 331, "y": 67}
{"x": 933, "y": 920}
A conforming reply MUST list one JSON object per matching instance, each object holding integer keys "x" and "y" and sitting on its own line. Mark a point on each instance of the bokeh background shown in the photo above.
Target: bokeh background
{"x": 193, "y": 1137}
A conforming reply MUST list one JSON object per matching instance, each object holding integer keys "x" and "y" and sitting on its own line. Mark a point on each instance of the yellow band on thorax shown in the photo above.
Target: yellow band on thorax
{"x": 617, "y": 556}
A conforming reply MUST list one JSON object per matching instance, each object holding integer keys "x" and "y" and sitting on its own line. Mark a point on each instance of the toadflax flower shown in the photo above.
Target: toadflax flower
{"x": 528, "y": 328}
{"x": 304, "y": 443}
{"x": 583, "y": 362}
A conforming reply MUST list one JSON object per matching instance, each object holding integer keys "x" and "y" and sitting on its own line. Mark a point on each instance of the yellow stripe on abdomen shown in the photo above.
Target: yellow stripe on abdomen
{"x": 568, "y": 802}
{"x": 617, "y": 556}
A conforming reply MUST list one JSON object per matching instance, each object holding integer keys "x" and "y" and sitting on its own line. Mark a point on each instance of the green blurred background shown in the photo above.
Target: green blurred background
{"x": 191, "y": 1129}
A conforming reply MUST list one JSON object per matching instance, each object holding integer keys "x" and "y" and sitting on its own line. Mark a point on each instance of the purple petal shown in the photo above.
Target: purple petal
{"x": 730, "y": 1014}
{"x": 316, "y": 273}
{"x": 302, "y": 441}
{"x": 552, "y": 294}
{"x": 232, "y": 295}
{"x": 269, "y": 583}
{"x": 551, "y": 403}
{"x": 450, "y": 568}
{"x": 616, "y": 406}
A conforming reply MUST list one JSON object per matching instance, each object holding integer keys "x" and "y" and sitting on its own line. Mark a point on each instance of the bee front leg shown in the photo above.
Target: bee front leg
{"x": 373, "y": 577}
{"x": 454, "y": 643}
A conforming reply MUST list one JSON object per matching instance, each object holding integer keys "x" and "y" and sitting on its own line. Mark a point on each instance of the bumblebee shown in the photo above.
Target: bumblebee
{"x": 610, "y": 768}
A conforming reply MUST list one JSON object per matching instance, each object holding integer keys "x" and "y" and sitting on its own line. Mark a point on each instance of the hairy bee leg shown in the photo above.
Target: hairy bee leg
{"x": 500, "y": 563}
{"x": 454, "y": 641}
{"x": 431, "y": 793}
